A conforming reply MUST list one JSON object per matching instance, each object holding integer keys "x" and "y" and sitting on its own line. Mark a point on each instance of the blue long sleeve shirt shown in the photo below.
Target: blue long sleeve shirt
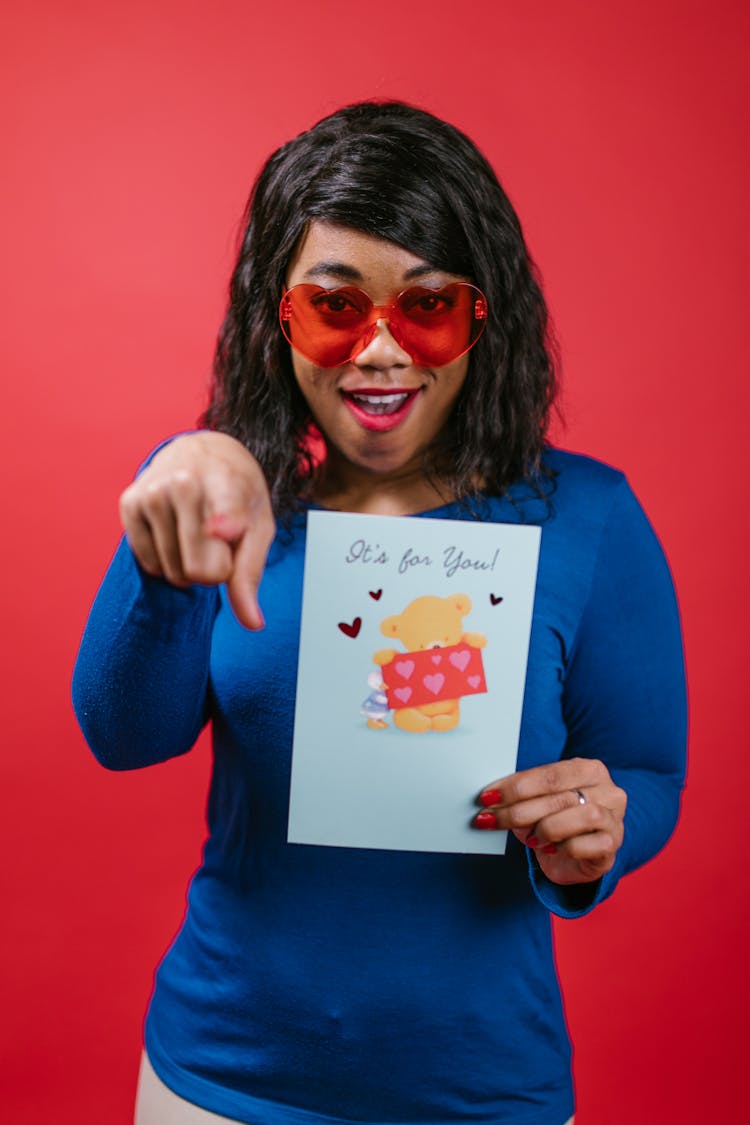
{"x": 316, "y": 985}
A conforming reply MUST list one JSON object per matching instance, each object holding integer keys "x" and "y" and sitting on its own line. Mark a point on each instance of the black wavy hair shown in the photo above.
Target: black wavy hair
{"x": 399, "y": 173}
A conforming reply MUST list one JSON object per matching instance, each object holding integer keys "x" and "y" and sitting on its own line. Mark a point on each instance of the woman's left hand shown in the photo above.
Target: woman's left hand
{"x": 575, "y": 840}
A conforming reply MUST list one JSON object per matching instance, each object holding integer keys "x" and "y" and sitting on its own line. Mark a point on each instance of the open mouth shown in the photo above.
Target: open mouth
{"x": 381, "y": 404}
{"x": 379, "y": 410}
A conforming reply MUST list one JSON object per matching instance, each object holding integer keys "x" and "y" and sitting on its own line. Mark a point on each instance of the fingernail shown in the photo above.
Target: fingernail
{"x": 531, "y": 841}
{"x": 490, "y": 797}
{"x": 549, "y": 849}
{"x": 485, "y": 820}
{"x": 253, "y": 618}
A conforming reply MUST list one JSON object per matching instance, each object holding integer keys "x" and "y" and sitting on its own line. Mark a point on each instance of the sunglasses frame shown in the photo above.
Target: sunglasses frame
{"x": 393, "y": 314}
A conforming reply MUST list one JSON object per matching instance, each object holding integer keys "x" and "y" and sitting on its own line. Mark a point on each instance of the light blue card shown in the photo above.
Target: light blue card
{"x": 412, "y": 666}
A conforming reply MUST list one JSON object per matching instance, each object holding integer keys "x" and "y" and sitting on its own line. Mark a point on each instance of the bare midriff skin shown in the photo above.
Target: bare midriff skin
{"x": 201, "y": 512}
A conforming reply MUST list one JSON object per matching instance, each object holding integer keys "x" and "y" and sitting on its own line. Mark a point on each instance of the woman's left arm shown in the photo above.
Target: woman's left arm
{"x": 612, "y": 801}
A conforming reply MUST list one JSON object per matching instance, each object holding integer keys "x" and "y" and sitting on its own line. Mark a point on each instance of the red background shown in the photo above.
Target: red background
{"x": 132, "y": 135}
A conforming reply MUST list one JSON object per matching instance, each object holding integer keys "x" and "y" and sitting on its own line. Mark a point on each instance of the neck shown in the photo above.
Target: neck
{"x": 351, "y": 489}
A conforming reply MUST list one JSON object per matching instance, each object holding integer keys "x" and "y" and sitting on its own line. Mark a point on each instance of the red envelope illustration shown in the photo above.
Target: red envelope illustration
{"x": 433, "y": 675}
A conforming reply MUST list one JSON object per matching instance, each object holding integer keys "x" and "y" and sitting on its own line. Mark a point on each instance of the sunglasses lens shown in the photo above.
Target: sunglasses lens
{"x": 325, "y": 325}
{"x": 438, "y": 326}
{"x": 435, "y": 326}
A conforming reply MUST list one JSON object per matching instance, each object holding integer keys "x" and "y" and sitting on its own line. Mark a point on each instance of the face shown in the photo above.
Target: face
{"x": 379, "y": 411}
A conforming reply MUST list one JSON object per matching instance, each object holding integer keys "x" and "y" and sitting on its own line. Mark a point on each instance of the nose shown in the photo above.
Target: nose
{"x": 382, "y": 350}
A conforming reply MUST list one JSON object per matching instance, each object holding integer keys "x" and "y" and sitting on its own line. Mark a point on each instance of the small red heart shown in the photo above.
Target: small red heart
{"x": 375, "y": 595}
{"x": 353, "y": 629}
{"x": 494, "y": 599}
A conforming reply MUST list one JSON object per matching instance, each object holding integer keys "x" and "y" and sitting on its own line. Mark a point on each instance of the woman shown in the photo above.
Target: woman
{"x": 317, "y": 984}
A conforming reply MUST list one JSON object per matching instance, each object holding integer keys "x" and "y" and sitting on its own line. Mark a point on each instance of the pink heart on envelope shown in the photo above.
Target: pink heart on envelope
{"x": 405, "y": 668}
{"x": 460, "y": 659}
{"x": 436, "y": 659}
{"x": 403, "y": 694}
{"x": 474, "y": 681}
{"x": 434, "y": 683}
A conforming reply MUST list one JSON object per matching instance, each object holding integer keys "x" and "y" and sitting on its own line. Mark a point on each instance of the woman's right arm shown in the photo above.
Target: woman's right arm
{"x": 198, "y": 515}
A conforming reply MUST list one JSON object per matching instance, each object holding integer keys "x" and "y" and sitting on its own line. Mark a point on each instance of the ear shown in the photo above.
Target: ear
{"x": 389, "y": 627}
{"x": 462, "y": 602}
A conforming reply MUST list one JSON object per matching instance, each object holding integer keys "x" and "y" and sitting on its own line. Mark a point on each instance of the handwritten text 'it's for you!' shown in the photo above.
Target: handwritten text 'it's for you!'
{"x": 453, "y": 560}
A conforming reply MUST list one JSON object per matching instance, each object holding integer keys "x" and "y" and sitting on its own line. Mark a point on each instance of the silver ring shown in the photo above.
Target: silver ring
{"x": 580, "y": 796}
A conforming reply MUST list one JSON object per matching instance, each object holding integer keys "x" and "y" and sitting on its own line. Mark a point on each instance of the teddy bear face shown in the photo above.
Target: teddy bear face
{"x": 429, "y": 622}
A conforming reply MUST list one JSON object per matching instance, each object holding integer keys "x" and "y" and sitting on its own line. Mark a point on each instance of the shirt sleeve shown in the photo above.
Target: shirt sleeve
{"x": 141, "y": 677}
{"x": 624, "y": 695}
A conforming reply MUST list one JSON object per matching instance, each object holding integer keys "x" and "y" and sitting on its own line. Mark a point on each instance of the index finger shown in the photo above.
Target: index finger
{"x": 554, "y": 777}
{"x": 247, "y": 570}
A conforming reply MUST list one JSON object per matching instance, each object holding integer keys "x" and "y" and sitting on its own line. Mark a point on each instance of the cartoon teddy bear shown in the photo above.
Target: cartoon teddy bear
{"x": 426, "y": 623}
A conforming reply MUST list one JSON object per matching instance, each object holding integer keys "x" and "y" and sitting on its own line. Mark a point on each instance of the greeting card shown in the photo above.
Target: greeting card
{"x": 410, "y": 684}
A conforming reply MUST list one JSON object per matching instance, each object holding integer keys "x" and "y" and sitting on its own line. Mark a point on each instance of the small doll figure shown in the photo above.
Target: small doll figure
{"x": 375, "y": 707}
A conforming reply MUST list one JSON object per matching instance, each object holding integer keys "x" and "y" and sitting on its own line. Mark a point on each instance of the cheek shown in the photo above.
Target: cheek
{"x": 455, "y": 374}
{"x": 452, "y": 381}
{"x": 301, "y": 368}
{"x": 310, "y": 379}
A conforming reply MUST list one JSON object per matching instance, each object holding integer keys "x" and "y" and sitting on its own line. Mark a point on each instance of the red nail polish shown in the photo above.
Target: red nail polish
{"x": 485, "y": 820}
{"x": 531, "y": 841}
{"x": 549, "y": 849}
{"x": 490, "y": 797}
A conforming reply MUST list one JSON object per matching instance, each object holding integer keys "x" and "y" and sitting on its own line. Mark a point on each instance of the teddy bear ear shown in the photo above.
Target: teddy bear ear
{"x": 462, "y": 603}
{"x": 390, "y": 626}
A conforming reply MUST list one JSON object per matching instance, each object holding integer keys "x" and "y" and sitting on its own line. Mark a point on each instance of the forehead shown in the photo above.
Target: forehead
{"x": 330, "y": 252}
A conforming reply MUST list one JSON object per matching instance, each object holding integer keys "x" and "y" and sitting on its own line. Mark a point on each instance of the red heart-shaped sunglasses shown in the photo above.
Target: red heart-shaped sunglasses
{"x": 434, "y": 326}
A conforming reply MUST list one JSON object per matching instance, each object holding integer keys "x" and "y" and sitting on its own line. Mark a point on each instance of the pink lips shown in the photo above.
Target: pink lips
{"x": 380, "y": 409}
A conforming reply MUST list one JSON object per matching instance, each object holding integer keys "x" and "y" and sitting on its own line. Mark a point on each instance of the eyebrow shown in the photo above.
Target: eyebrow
{"x": 420, "y": 271}
{"x": 334, "y": 269}
{"x": 348, "y": 273}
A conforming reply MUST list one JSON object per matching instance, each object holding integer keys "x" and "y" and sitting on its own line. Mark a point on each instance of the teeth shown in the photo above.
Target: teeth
{"x": 381, "y": 404}
{"x": 377, "y": 399}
